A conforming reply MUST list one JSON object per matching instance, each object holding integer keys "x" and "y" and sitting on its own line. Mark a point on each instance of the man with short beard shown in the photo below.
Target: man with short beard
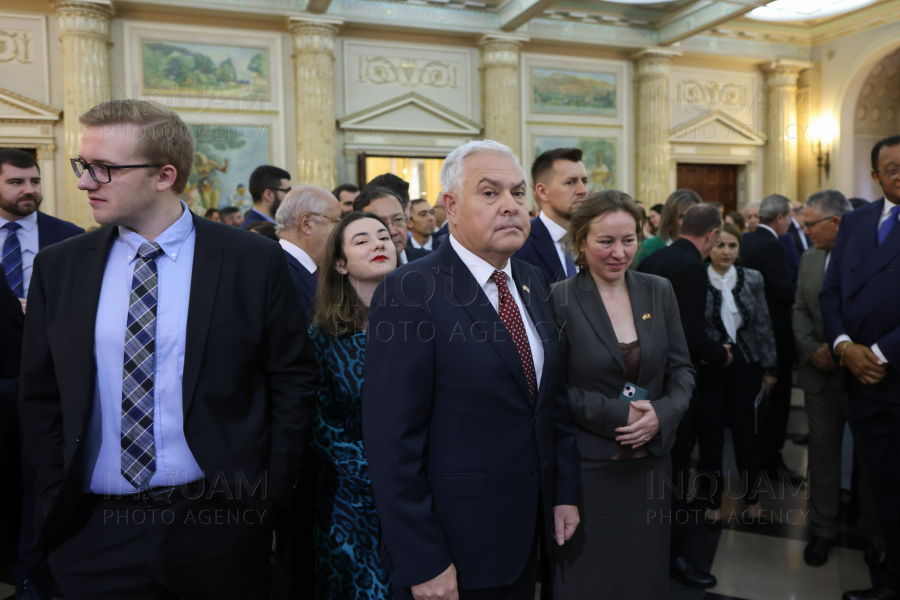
{"x": 268, "y": 187}
{"x": 24, "y": 231}
{"x": 559, "y": 180}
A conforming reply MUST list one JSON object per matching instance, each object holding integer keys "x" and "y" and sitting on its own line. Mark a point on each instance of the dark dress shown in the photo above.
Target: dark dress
{"x": 347, "y": 528}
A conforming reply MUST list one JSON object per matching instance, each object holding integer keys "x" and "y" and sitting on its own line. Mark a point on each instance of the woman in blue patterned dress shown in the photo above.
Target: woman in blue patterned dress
{"x": 358, "y": 256}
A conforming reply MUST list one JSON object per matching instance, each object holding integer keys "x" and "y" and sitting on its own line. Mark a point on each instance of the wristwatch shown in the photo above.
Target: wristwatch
{"x": 844, "y": 345}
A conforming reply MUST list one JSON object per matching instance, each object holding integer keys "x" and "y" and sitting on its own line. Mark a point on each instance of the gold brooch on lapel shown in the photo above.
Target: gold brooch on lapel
{"x": 525, "y": 287}
{"x": 647, "y": 316}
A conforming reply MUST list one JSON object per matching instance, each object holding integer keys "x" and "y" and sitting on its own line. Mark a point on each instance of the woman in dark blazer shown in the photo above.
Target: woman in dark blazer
{"x": 736, "y": 314}
{"x": 618, "y": 326}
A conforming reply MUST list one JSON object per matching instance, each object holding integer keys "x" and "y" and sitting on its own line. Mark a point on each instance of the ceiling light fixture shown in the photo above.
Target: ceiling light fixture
{"x": 804, "y": 10}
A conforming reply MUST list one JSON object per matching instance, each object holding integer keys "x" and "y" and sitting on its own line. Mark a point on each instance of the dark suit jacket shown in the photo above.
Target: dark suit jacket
{"x": 248, "y": 369}
{"x": 52, "y": 230}
{"x": 793, "y": 257}
{"x": 798, "y": 233}
{"x": 595, "y": 369}
{"x": 809, "y": 331}
{"x": 540, "y": 250}
{"x": 763, "y": 252}
{"x": 304, "y": 281}
{"x": 458, "y": 451}
{"x": 415, "y": 253}
{"x": 11, "y": 322}
{"x": 252, "y": 216}
{"x": 860, "y": 294}
{"x": 681, "y": 264}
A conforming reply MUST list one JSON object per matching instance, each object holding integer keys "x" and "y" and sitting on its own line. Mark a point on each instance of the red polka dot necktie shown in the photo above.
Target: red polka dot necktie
{"x": 512, "y": 319}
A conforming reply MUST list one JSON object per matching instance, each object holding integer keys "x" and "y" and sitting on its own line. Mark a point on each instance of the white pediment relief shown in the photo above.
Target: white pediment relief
{"x": 717, "y": 128}
{"x": 411, "y": 112}
{"x": 18, "y": 108}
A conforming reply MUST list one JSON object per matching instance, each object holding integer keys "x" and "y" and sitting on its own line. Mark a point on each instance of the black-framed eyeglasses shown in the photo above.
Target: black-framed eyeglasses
{"x": 809, "y": 224}
{"x": 890, "y": 173}
{"x": 102, "y": 173}
{"x": 333, "y": 220}
{"x": 285, "y": 190}
{"x": 398, "y": 222}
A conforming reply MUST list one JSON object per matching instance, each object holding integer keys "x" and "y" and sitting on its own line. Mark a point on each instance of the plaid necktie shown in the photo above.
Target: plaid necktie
{"x": 512, "y": 318}
{"x": 12, "y": 260}
{"x": 138, "y": 459}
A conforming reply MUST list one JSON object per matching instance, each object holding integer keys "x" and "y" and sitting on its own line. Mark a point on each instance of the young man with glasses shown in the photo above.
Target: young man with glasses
{"x": 167, "y": 378}
{"x": 268, "y": 186}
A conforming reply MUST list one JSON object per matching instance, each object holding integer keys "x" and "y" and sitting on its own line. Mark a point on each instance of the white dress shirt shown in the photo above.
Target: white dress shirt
{"x": 427, "y": 245}
{"x": 557, "y": 233}
{"x": 28, "y": 242}
{"x": 300, "y": 254}
{"x": 888, "y": 206}
{"x": 482, "y": 271}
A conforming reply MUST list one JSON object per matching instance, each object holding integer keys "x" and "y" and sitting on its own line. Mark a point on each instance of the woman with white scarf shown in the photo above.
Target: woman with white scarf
{"x": 736, "y": 314}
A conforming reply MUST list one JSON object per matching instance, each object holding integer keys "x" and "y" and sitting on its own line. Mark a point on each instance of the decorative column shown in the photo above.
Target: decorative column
{"x": 654, "y": 156}
{"x": 85, "y": 39}
{"x": 808, "y": 107}
{"x": 780, "y": 151}
{"x": 45, "y": 155}
{"x": 314, "y": 99}
{"x": 499, "y": 67}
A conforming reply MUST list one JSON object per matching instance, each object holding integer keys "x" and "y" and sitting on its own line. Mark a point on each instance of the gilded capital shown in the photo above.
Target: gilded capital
{"x": 654, "y": 62}
{"x": 500, "y": 50}
{"x": 783, "y": 72}
{"x": 314, "y": 34}
{"x": 81, "y": 17}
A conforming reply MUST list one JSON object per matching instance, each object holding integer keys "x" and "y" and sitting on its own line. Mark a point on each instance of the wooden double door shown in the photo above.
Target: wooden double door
{"x": 714, "y": 183}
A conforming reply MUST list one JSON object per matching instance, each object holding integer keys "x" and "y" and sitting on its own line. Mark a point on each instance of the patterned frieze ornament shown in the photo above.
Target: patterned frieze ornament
{"x": 313, "y": 58}
{"x": 86, "y": 44}
{"x": 499, "y": 67}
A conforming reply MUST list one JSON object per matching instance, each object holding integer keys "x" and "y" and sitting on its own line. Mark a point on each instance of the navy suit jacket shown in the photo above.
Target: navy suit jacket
{"x": 540, "y": 251}
{"x": 793, "y": 257}
{"x": 795, "y": 233}
{"x": 763, "y": 252}
{"x": 304, "y": 281}
{"x": 252, "y": 216}
{"x": 415, "y": 253}
{"x": 441, "y": 234}
{"x": 52, "y": 230}
{"x": 458, "y": 451}
{"x": 859, "y": 297}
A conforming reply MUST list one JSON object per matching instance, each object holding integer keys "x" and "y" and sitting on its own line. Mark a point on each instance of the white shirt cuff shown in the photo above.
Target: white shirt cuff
{"x": 841, "y": 338}
{"x": 877, "y": 352}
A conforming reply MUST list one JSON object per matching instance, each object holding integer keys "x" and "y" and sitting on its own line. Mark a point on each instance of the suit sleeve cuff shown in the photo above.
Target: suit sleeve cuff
{"x": 841, "y": 338}
{"x": 877, "y": 352}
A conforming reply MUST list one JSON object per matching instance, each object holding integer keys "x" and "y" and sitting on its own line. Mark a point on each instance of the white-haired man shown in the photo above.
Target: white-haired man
{"x": 304, "y": 221}
{"x": 469, "y": 446}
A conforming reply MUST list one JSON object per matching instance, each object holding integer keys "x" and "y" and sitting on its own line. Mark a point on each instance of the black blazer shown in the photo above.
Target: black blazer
{"x": 540, "y": 251}
{"x": 11, "y": 322}
{"x": 681, "y": 264}
{"x": 248, "y": 379}
{"x": 795, "y": 233}
{"x": 414, "y": 253}
{"x": 458, "y": 451}
{"x": 52, "y": 230}
{"x": 304, "y": 281}
{"x": 763, "y": 252}
{"x": 595, "y": 369}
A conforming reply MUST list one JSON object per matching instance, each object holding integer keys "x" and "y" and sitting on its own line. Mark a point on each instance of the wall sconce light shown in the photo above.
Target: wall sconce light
{"x": 820, "y": 140}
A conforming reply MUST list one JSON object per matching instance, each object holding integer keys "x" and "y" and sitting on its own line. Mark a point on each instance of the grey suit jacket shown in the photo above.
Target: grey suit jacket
{"x": 807, "y": 320}
{"x": 595, "y": 369}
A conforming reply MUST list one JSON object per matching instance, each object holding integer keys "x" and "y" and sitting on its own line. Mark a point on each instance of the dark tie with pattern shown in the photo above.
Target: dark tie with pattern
{"x": 12, "y": 260}
{"x": 509, "y": 312}
{"x": 885, "y": 228}
{"x": 138, "y": 449}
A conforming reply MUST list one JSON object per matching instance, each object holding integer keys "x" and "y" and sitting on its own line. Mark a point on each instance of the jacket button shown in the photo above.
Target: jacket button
{"x": 78, "y": 440}
{"x": 536, "y": 419}
{"x": 880, "y": 303}
{"x": 535, "y": 471}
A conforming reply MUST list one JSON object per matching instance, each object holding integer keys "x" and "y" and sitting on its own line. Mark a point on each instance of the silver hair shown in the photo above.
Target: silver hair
{"x": 830, "y": 202}
{"x": 753, "y": 204}
{"x": 299, "y": 201}
{"x": 773, "y": 206}
{"x": 452, "y": 171}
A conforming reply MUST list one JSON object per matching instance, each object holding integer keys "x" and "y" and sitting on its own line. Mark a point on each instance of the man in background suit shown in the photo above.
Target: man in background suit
{"x": 268, "y": 186}
{"x": 388, "y": 206}
{"x": 305, "y": 221}
{"x": 761, "y": 250}
{"x": 346, "y": 193}
{"x": 421, "y": 226}
{"x": 826, "y": 403}
{"x": 560, "y": 181}
{"x": 682, "y": 264}
{"x": 24, "y": 231}
{"x": 802, "y": 241}
{"x": 166, "y": 375}
{"x": 862, "y": 326}
{"x": 470, "y": 446}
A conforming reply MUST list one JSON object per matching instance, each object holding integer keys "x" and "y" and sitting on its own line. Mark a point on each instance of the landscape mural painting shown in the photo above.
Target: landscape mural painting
{"x": 204, "y": 70}
{"x": 225, "y": 157}
{"x": 600, "y": 157}
{"x": 573, "y": 92}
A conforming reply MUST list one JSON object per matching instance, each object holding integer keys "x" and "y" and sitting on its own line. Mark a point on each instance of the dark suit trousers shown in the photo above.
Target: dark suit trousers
{"x": 295, "y": 555}
{"x": 726, "y": 397}
{"x": 878, "y": 426}
{"x": 773, "y": 425}
{"x": 685, "y": 436}
{"x": 203, "y": 549}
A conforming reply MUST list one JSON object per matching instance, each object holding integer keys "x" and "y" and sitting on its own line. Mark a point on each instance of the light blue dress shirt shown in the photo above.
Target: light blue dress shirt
{"x": 28, "y": 242}
{"x": 175, "y": 464}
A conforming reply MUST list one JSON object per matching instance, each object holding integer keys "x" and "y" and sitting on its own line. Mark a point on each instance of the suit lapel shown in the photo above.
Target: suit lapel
{"x": 469, "y": 294}
{"x": 645, "y": 322}
{"x": 589, "y": 297}
{"x": 547, "y": 249}
{"x": 204, "y": 281}
{"x": 89, "y": 271}
{"x": 872, "y": 256}
{"x": 44, "y": 236}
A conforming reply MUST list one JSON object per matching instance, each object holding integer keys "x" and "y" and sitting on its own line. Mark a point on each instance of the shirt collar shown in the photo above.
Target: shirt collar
{"x": 888, "y": 205}
{"x": 263, "y": 215}
{"x": 300, "y": 254}
{"x": 557, "y": 232}
{"x": 480, "y": 268}
{"x": 27, "y": 223}
{"x": 169, "y": 240}
{"x": 767, "y": 228}
{"x": 729, "y": 276}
